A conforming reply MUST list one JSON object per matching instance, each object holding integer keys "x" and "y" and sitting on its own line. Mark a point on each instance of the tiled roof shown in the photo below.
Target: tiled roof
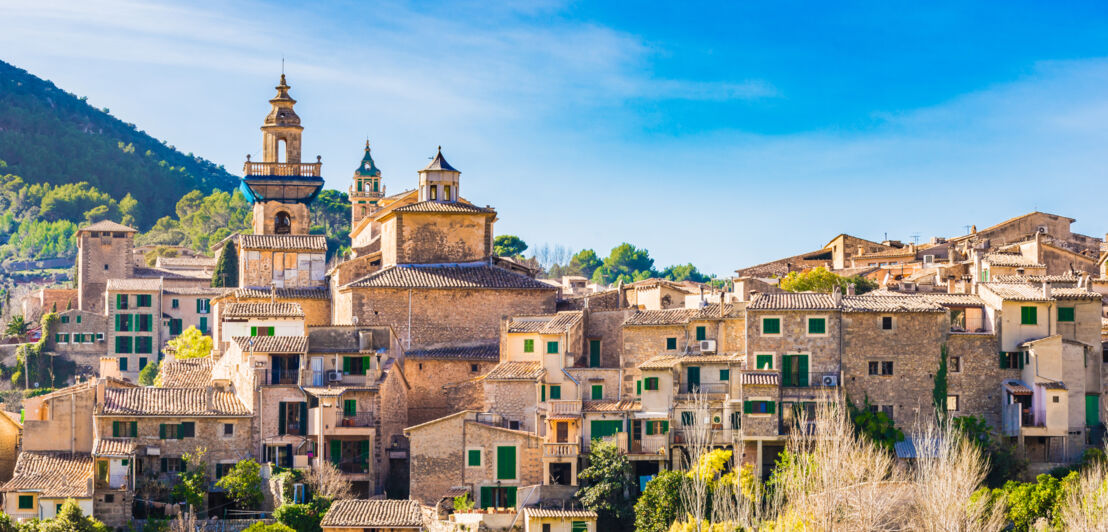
{"x": 114, "y": 447}
{"x": 192, "y": 402}
{"x": 162, "y": 273}
{"x": 448, "y": 207}
{"x": 954, "y": 299}
{"x": 170, "y": 262}
{"x": 52, "y": 474}
{"x": 678, "y": 316}
{"x": 544, "y": 513}
{"x": 197, "y": 291}
{"x": 1016, "y": 292}
{"x": 1075, "y": 293}
{"x": 263, "y": 310}
{"x": 895, "y": 252}
{"x": 186, "y": 373}
{"x": 129, "y": 285}
{"x": 1017, "y": 387}
{"x": 550, "y": 324}
{"x": 514, "y": 371}
{"x": 1064, "y": 278}
{"x": 1011, "y": 260}
{"x": 273, "y": 344}
{"x": 889, "y": 303}
{"x": 761, "y": 378}
{"x": 373, "y": 513}
{"x": 669, "y": 361}
{"x": 479, "y": 275}
{"x": 485, "y": 352}
{"x": 285, "y": 242}
{"x": 281, "y": 293}
{"x": 611, "y": 405}
{"x": 325, "y": 391}
{"x": 108, "y": 225}
{"x": 1054, "y": 385}
{"x": 792, "y": 301}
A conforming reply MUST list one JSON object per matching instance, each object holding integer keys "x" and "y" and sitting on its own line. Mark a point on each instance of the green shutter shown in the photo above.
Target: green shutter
{"x": 1065, "y": 314}
{"x": 474, "y": 457}
{"x": 336, "y": 451}
{"x": 1029, "y": 315}
{"x": 802, "y": 378}
{"x": 638, "y": 387}
{"x": 665, "y": 426}
{"x": 366, "y": 364}
{"x": 282, "y": 419}
{"x": 528, "y": 346}
{"x": 363, "y": 453}
{"x": 510, "y": 491}
{"x": 1092, "y": 410}
{"x": 115, "y": 429}
{"x": 701, "y": 333}
{"x": 542, "y": 392}
{"x": 350, "y": 407}
{"x": 692, "y": 379}
{"x": 594, "y": 353}
{"x": 506, "y": 462}
{"x": 161, "y": 432}
{"x": 748, "y": 407}
{"x": 555, "y": 391}
{"x": 771, "y": 326}
{"x": 551, "y": 348}
{"x": 165, "y": 465}
{"x": 346, "y": 365}
{"x": 671, "y": 344}
{"x": 724, "y": 374}
{"x": 253, "y": 331}
{"x": 597, "y": 392}
{"x": 817, "y": 326}
{"x": 578, "y": 526}
{"x": 486, "y": 496}
{"x": 786, "y": 370}
{"x": 649, "y": 427}
{"x": 134, "y": 429}
{"x": 770, "y": 407}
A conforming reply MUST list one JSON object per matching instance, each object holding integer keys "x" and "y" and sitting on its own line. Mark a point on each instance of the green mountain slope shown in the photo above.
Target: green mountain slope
{"x": 48, "y": 135}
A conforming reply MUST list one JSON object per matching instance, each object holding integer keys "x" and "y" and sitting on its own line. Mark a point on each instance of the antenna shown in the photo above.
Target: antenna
{"x": 915, "y": 238}
{"x": 967, "y": 228}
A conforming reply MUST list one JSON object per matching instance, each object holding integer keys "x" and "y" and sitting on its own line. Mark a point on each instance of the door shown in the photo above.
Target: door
{"x": 692, "y": 378}
{"x": 317, "y": 372}
{"x": 1092, "y": 410}
{"x": 562, "y": 430}
{"x": 594, "y": 353}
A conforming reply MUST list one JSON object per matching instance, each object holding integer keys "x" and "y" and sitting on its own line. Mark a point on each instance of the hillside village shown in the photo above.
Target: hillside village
{"x": 424, "y": 367}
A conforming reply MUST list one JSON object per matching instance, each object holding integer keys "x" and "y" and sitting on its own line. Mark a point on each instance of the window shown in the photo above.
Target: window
{"x": 187, "y": 429}
{"x": 262, "y": 331}
{"x": 123, "y": 344}
{"x": 1029, "y": 315}
{"x": 817, "y": 325}
{"x": 880, "y": 367}
{"x": 657, "y": 427}
{"x": 764, "y": 361}
{"x": 123, "y": 323}
{"x": 203, "y": 306}
{"x": 638, "y": 387}
{"x": 472, "y": 368}
{"x": 724, "y": 374}
{"x": 446, "y": 192}
{"x": 1011, "y": 360}
{"x": 1055, "y": 398}
{"x": 506, "y": 462}
{"x": 736, "y": 420}
{"x": 145, "y": 322}
{"x": 701, "y": 333}
{"x": 65, "y": 319}
{"x": 144, "y": 300}
{"x": 687, "y": 418}
{"x": 78, "y": 318}
{"x": 124, "y": 429}
{"x": 355, "y": 365}
{"x": 175, "y": 326}
{"x": 794, "y": 370}
{"x": 551, "y": 348}
{"x": 771, "y": 325}
{"x": 170, "y": 431}
{"x": 578, "y": 526}
{"x": 671, "y": 343}
{"x": 228, "y": 430}
{"x": 555, "y": 392}
{"x": 176, "y": 303}
{"x": 955, "y": 364}
{"x": 171, "y": 465}
{"x": 759, "y": 407}
{"x": 594, "y": 353}
{"x": 952, "y": 403}
{"x": 142, "y": 362}
{"x": 26, "y": 502}
{"x": 651, "y": 383}
{"x": 1065, "y": 313}
{"x": 120, "y": 299}
{"x": 473, "y": 457}
{"x": 109, "y": 497}
{"x": 887, "y": 323}
{"x": 144, "y": 344}
{"x": 203, "y": 325}
{"x": 434, "y": 193}
{"x": 597, "y": 392}
{"x": 528, "y": 346}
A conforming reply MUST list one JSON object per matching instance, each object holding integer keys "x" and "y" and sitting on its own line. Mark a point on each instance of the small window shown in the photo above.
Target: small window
{"x": 701, "y": 332}
{"x": 26, "y": 502}
{"x": 555, "y": 392}
{"x": 817, "y": 325}
{"x": 597, "y": 392}
{"x": 651, "y": 383}
{"x": 1065, "y": 314}
{"x": 759, "y": 407}
{"x": 528, "y": 346}
{"x": 887, "y": 367}
{"x": 771, "y": 325}
{"x": 1029, "y": 315}
{"x": 109, "y": 497}
{"x": 955, "y": 364}
{"x": 228, "y": 429}
{"x": 65, "y": 319}
{"x": 472, "y": 368}
{"x": 724, "y": 374}
{"x": 764, "y": 361}
{"x": 78, "y": 318}
{"x": 887, "y": 323}
{"x": 473, "y": 457}
{"x": 671, "y": 343}
{"x": 687, "y": 418}
{"x": 552, "y": 348}
{"x": 176, "y": 303}
{"x": 1055, "y": 398}
{"x": 952, "y": 403}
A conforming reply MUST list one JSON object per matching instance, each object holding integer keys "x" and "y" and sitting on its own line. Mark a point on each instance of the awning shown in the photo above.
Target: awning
{"x": 1015, "y": 387}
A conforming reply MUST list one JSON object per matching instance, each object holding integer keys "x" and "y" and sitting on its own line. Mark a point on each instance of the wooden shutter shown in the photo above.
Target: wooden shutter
{"x": 165, "y": 464}
{"x": 336, "y": 451}
{"x": 510, "y": 496}
{"x": 597, "y": 392}
{"x": 770, "y": 407}
{"x": 701, "y": 333}
{"x": 134, "y": 429}
{"x": 161, "y": 433}
{"x": 282, "y": 419}
{"x": 253, "y": 331}
{"x": 505, "y": 462}
{"x": 363, "y": 453}
{"x": 350, "y": 407}
{"x": 555, "y": 391}
{"x": 115, "y": 429}
{"x": 594, "y": 353}
{"x": 649, "y": 427}
{"x": 365, "y": 365}
{"x": 188, "y": 429}
{"x": 638, "y": 387}
{"x": 724, "y": 374}
{"x": 802, "y": 377}
{"x": 303, "y": 417}
{"x": 786, "y": 370}
{"x": 473, "y": 457}
{"x": 665, "y": 426}
{"x": 486, "y": 496}
{"x": 748, "y": 407}
{"x": 542, "y": 392}
{"x": 346, "y": 365}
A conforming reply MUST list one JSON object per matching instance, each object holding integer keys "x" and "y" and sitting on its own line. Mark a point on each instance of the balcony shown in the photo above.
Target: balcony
{"x": 653, "y": 445}
{"x": 565, "y": 408}
{"x": 353, "y": 467}
{"x": 705, "y": 388}
{"x": 281, "y": 169}
{"x": 338, "y": 423}
{"x": 560, "y": 450}
{"x": 712, "y": 436}
{"x": 355, "y": 419}
{"x": 969, "y": 325}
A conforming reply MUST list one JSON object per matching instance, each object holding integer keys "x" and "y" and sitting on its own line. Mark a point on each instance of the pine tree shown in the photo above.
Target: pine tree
{"x": 227, "y": 267}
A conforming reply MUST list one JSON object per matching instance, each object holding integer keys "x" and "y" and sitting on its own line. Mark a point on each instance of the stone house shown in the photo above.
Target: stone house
{"x": 552, "y": 520}
{"x": 360, "y": 515}
{"x": 475, "y": 451}
{"x": 46, "y": 300}
{"x": 187, "y": 307}
{"x": 11, "y": 435}
{"x": 315, "y": 301}
{"x": 439, "y": 383}
{"x": 44, "y": 480}
{"x": 79, "y": 335}
{"x": 113, "y": 494}
{"x": 134, "y": 310}
{"x": 235, "y": 320}
{"x": 62, "y": 420}
{"x": 103, "y": 252}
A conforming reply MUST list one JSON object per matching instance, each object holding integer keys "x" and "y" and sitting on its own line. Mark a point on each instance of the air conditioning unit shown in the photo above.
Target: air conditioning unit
{"x": 334, "y": 376}
{"x": 707, "y": 346}
{"x": 830, "y": 380}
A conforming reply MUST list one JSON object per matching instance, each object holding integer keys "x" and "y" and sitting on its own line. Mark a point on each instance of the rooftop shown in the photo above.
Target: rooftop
{"x": 1011, "y": 260}
{"x": 452, "y": 276}
{"x": 52, "y": 474}
{"x": 284, "y": 242}
{"x": 114, "y": 447}
{"x": 186, "y": 373}
{"x": 889, "y": 303}
{"x": 558, "y": 323}
{"x": 516, "y": 371}
{"x": 263, "y": 310}
{"x": 483, "y": 352}
{"x": 669, "y": 361}
{"x": 108, "y": 225}
{"x": 134, "y": 285}
{"x": 272, "y": 344}
{"x": 680, "y": 316}
{"x": 792, "y": 301}
{"x": 191, "y": 402}
{"x": 376, "y": 513}
{"x": 448, "y": 207}
{"x": 281, "y": 293}
{"x": 547, "y": 513}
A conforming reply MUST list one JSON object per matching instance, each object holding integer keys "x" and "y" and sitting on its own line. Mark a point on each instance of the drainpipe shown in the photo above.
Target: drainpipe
{"x": 409, "y": 346}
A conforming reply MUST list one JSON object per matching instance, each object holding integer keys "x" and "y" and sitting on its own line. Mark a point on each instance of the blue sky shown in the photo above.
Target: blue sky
{"x": 722, "y": 134}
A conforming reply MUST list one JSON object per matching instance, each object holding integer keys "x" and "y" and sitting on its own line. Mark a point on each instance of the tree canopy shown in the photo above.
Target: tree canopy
{"x": 508, "y": 246}
{"x": 821, "y": 279}
{"x": 190, "y": 344}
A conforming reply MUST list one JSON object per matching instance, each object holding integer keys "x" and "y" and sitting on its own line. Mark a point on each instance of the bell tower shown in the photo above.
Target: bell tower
{"x": 439, "y": 181}
{"x": 281, "y": 186}
{"x": 367, "y": 189}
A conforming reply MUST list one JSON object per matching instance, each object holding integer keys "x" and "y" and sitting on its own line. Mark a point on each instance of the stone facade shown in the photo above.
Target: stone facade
{"x": 430, "y": 238}
{"x": 282, "y": 268}
{"x": 103, "y": 252}
{"x": 266, "y": 213}
{"x": 443, "y": 386}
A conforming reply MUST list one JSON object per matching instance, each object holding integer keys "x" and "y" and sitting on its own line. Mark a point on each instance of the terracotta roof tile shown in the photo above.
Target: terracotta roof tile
{"x": 1030, "y": 292}
{"x": 486, "y": 352}
{"x": 170, "y": 262}
{"x": 52, "y": 474}
{"x": 669, "y": 361}
{"x": 889, "y": 303}
{"x": 186, "y": 373}
{"x": 1064, "y": 278}
{"x": 281, "y": 293}
{"x": 272, "y": 344}
{"x": 134, "y": 285}
{"x": 611, "y": 405}
{"x": 444, "y": 207}
{"x": 263, "y": 310}
{"x": 284, "y": 242}
{"x": 513, "y": 371}
{"x": 1011, "y": 260}
{"x": 761, "y": 378}
{"x": 375, "y": 513}
{"x": 108, "y": 225}
{"x": 678, "y": 316}
{"x": 181, "y": 402}
{"x": 1075, "y": 293}
{"x": 558, "y": 323}
{"x": 449, "y": 276}
{"x": 197, "y": 291}
{"x": 325, "y": 391}
{"x": 792, "y": 301}
{"x": 954, "y": 299}
{"x": 162, "y": 273}
{"x": 546, "y": 513}
{"x": 113, "y": 447}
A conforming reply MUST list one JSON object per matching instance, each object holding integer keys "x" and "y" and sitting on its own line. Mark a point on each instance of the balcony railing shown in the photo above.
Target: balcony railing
{"x": 560, "y": 450}
{"x": 650, "y": 444}
{"x": 355, "y": 419}
{"x": 353, "y": 466}
{"x": 708, "y": 388}
{"x": 975, "y": 324}
{"x": 281, "y": 169}
{"x": 711, "y": 436}
{"x": 286, "y": 377}
{"x": 565, "y": 408}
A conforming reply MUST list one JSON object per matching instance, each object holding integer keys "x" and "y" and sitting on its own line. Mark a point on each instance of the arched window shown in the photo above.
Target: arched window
{"x": 446, "y": 193}
{"x": 433, "y": 193}
{"x": 282, "y": 223}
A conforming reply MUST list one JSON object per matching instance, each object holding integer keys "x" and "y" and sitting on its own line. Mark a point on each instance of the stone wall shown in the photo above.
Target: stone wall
{"x": 98, "y": 259}
{"x": 515, "y": 400}
{"x": 978, "y": 384}
{"x": 487, "y": 439}
{"x": 437, "y": 454}
{"x": 606, "y": 326}
{"x": 822, "y": 350}
{"x": 440, "y": 387}
{"x": 430, "y": 238}
{"x": 297, "y": 269}
{"x": 641, "y": 343}
{"x": 265, "y": 216}
{"x": 444, "y": 316}
{"x": 118, "y": 511}
{"x": 392, "y": 410}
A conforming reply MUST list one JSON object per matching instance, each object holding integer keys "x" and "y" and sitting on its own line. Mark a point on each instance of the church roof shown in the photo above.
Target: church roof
{"x": 439, "y": 163}
{"x": 367, "y": 168}
{"x": 448, "y": 207}
{"x": 471, "y": 275}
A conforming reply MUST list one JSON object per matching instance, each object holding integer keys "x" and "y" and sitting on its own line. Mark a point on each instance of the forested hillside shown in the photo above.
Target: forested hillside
{"x": 50, "y": 136}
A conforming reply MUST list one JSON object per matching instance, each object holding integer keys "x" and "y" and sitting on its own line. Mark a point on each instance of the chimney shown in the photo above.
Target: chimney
{"x": 976, "y": 266}
{"x": 973, "y": 230}
{"x": 837, "y": 296}
{"x": 1046, "y": 289}
{"x": 722, "y": 312}
{"x": 209, "y": 399}
{"x": 850, "y": 289}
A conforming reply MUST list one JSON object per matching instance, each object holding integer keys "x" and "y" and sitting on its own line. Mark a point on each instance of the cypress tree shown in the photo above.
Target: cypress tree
{"x": 938, "y": 394}
{"x": 226, "y": 273}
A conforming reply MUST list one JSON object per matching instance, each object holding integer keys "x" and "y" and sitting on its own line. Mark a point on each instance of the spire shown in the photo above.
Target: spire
{"x": 439, "y": 163}
{"x": 367, "y": 168}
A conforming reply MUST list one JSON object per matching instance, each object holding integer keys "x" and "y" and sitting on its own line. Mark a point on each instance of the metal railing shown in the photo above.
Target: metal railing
{"x": 355, "y": 419}
{"x": 649, "y": 444}
{"x": 281, "y": 169}
{"x": 353, "y": 466}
